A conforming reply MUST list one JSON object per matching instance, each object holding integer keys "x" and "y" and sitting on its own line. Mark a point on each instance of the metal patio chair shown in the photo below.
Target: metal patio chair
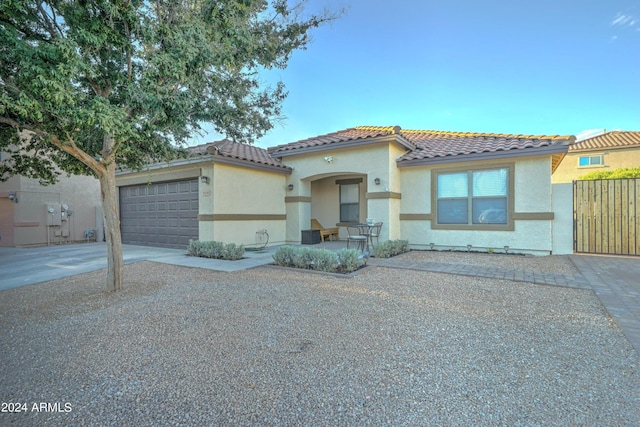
{"x": 354, "y": 233}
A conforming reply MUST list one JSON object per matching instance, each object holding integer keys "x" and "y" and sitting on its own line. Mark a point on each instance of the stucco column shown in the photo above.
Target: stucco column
{"x": 385, "y": 207}
{"x": 298, "y": 203}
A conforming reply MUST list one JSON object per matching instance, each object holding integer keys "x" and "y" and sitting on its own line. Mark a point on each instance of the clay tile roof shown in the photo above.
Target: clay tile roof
{"x": 427, "y": 144}
{"x": 615, "y": 139}
{"x": 435, "y": 144}
{"x": 237, "y": 151}
{"x": 350, "y": 134}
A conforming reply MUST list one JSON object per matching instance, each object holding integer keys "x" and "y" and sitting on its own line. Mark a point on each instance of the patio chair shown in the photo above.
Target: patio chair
{"x": 354, "y": 233}
{"x": 375, "y": 232}
{"x": 315, "y": 225}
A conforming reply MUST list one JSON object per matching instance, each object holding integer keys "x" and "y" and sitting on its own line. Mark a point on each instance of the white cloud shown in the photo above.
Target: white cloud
{"x": 588, "y": 134}
{"x": 623, "y": 20}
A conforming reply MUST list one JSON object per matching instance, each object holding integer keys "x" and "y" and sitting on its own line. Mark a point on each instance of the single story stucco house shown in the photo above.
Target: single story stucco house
{"x": 435, "y": 189}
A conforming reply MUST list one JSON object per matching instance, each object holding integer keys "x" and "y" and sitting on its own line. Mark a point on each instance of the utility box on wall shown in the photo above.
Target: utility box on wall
{"x": 54, "y": 217}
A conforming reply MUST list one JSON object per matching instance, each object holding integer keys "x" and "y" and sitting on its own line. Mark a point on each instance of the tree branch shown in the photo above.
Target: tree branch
{"x": 68, "y": 146}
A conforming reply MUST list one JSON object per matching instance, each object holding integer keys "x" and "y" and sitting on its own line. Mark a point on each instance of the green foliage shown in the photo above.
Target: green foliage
{"x": 342, "y": 261}
{"x": 349, "y": 260}
{"x": 233, "y": 252}
{"x": 302, "y": 258}
{"x": 284, "y": 256}
{"x": 215, "y": 250}
{"x": 103, "y": 82}
{"x": 612, "y": 174}
{"x": 390, "y": 248}
{"x": 324, "y": 260}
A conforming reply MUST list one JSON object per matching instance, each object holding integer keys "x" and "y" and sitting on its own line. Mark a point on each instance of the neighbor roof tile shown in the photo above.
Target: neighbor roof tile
{"x": 614, "y": 139}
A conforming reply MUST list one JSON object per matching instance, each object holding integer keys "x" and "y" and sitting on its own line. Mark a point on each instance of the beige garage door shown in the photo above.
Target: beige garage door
{"x": 163, "y": 214}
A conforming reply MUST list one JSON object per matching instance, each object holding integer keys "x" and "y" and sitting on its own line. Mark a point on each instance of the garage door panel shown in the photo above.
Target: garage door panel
{"x": 163, "y": 214}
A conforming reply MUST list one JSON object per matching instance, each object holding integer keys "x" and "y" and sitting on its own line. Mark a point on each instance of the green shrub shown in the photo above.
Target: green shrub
{"x": 284, "y": 256}
{"x": 343, "y": 261}
{"x": 323, "y": 260}
{"x": 302, "y": 258}
{"x": 215, "y": 250}
{"x": 390, "y": 248}
{"x": 349, "y": 260}
{"x": 233, "y": 252}
{"x": 612, "y": 174}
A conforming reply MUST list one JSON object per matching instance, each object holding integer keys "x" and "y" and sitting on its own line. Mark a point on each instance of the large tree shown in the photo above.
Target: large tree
{"x": 91, "y": 86}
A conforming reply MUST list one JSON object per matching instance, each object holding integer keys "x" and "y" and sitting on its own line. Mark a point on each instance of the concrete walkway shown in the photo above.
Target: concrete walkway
{"x": 614, "y": 279}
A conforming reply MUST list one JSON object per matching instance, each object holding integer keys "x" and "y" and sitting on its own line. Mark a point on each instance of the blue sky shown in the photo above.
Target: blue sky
{"x": 544, "y": 67}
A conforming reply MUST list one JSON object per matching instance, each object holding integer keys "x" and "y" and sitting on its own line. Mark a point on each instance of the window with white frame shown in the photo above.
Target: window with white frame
{"x": 584, "y": 161}
{"x": 349, "y": 202}
{"x": 473, "y": 197}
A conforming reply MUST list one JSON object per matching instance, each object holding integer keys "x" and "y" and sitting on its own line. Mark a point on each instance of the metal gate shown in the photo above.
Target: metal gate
{"x": 607, "y": 216}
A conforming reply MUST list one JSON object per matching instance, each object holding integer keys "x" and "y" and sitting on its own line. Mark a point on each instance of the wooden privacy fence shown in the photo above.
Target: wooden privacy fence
{"x": 607, "y": 216}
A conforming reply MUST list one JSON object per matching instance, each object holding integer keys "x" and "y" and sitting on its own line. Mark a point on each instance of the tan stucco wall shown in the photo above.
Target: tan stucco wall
{"x": 80, "y": 193}
{"x": 244, "y": 193}
{"x": 568, "y": 170}
{"x": 532, "y": 193}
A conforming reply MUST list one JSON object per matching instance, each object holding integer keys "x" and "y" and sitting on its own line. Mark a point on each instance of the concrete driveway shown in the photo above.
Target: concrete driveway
{"x": 27, "y": 266}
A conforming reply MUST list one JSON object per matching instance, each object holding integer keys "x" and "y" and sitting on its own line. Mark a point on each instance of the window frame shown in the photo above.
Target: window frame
{"x": 341, "y": 203}
{"x": 600, "y": 158}
{"x": 508, "y": 226}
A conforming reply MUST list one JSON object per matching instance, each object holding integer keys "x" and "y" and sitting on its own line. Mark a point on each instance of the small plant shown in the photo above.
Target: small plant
{"x": 489, "y": 250}
{"x": 232, "y": 252}
{"x": 342, "y": 261}
{"x": 349, "y": 260}
{"x": 324, "y": 260}
{"x": 215, "y": 250}
{"x": 284, "y": 256}
{"x": 390, "y": 248}
{"x": 302, "y": 258}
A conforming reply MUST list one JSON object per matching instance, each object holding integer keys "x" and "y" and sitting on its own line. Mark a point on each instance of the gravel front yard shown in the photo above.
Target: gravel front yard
{"x": 183, "y": 346}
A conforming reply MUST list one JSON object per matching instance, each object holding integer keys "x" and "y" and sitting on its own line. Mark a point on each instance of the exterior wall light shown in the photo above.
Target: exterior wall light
{"x": 13, "y": 197}
{"x": 290, "y": 187}
{"x": 377, "y": 181}
{"x": 204, "y": 179}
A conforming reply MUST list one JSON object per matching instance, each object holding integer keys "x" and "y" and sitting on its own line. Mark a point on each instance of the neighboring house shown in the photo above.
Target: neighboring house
{"x": 33, "y": 214}
{"x": 611, "y": 150}
{"x": 449, "y": 189}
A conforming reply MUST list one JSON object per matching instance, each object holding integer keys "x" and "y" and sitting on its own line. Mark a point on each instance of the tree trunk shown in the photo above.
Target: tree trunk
{"x": 109, "y": 196}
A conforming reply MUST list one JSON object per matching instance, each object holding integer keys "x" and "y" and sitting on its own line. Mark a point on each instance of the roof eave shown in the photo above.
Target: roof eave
{"x": 199, "y": 158}
{"x": 250, "y": 164}
{"x": 347, "y": 143}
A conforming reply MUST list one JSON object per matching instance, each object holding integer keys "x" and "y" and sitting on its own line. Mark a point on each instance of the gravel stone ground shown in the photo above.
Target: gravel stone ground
{"x": 186, "y": 346}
